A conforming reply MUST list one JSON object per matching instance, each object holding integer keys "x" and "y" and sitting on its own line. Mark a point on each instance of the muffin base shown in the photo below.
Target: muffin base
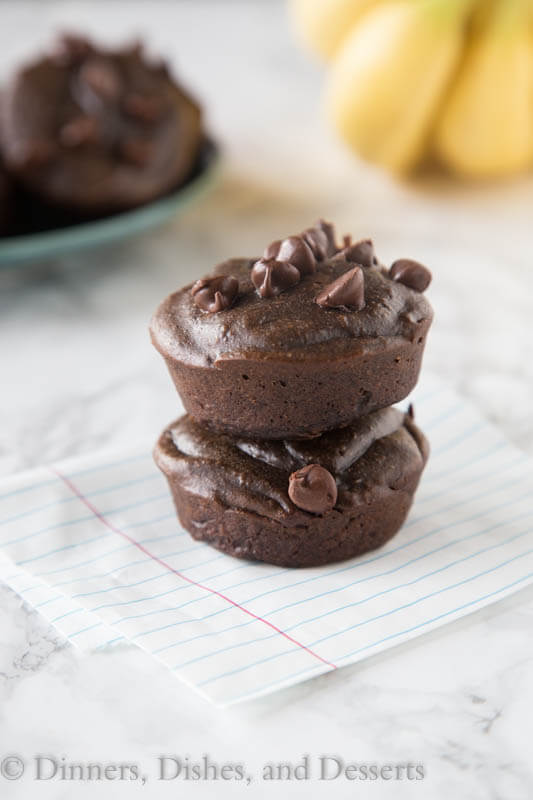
{"x": 272, "y": 399}
{"x": 323, "y": 540}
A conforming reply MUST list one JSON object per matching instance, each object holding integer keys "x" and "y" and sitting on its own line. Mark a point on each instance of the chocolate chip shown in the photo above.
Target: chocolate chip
{"x": 329, "y": 231}
{"x": 411, "y": 274}
{"x": 216, "y": 293}
{"x": 294, "y": 250}
{"x": 80, "y": 130}
{"x": 136, "y": 151}
{"x": 317, "y": 240}
{"x": 146, "y": 108}
{"x": 272, "y": 250}
{"x": 102, "y": 78}
{"x": 321, "y": 239}
{"x": 360, "y": 253}
{"x": 313, "y": 489}
{"x": 271, "y": 277}
{"x": 346, "y": 292}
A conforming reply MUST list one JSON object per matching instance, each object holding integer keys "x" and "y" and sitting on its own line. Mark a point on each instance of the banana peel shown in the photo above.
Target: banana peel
{"x": 390, "y": 76}
{"x": 411, "y": 80}
{"x": 486, "y": 128}
{"x": 323, "y": 24}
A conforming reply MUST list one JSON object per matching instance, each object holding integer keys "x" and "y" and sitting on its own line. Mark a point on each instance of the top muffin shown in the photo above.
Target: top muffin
{"x": 302, "y": 340}
{"x": 98, "y": 131}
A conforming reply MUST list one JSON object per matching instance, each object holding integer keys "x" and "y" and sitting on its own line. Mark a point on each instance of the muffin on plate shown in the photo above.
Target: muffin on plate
{"x": 97, "y": 131}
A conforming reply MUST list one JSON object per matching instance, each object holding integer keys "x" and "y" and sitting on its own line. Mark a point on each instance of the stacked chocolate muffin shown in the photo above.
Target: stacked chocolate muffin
{"x": 288, "y": 365}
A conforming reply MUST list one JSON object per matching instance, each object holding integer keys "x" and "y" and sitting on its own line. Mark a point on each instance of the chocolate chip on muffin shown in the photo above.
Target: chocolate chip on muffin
{"x": 296, "y": 251}
{"x": 411, "y": 273}
{"x": 346, "y": 292}
{"x": 313, "y": 488}
{"x": 361, "y": 252}
{"x": 271, "y": 277}
{"x": 215, "y": 294}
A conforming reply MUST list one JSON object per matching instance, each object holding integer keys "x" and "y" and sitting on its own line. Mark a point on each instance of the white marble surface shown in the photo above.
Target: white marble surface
{"x": 78, "y": 374}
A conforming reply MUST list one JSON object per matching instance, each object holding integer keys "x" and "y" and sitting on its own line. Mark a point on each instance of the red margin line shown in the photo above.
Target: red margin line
{"x": 74, "y": 489}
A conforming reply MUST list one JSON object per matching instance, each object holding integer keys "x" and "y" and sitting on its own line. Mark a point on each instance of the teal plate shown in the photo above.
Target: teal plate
{"x": 51, "y": 244}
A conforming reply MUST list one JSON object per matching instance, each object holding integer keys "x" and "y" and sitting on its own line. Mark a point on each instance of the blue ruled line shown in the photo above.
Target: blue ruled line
{"x": 491, "y": 491}
{"x": 369, "y": 597}
{"x": 61, "y": 549}
{"x": 167, "y": 574}
{"x": 460, "y": 439}
{"x": 24, "y": 489}
{"x": 78, "y": 544}
{"x": 450, "y": 412}
{"x": 120, "y": 568}
{"x": 433, "y": 477}
{"x": 174, "y": 535}
{"x": 144, "y": 456}
{"x": 379, "y": 616}
{"x": 425, "y": 498}
{"x": 96, "y": 468}
{"x": 441, "y": 616}
{"x": 84, "y": 630}
{"x": 72, "y": 498}
{"x": 108, "y": 643}
{"x": 66, "y": 523}
{"x": 321, "y": 669}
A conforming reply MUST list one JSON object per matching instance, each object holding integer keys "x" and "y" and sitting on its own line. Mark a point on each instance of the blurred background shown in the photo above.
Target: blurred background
{"x": 77, "y": 370}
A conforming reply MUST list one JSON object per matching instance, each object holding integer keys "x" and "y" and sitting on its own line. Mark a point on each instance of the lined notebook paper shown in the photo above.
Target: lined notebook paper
{"x": 95, "y": 547}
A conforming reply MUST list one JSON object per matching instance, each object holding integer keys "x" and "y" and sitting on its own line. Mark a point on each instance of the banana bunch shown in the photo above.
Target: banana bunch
{"x": 414, "y": 80}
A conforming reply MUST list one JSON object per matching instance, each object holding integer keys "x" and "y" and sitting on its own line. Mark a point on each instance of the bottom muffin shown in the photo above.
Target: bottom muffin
{"x": 295, "y": 503}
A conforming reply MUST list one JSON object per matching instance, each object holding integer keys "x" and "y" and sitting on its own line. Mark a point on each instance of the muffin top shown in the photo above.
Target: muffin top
{"x": 98, "y": 129}
{"x": 306, "y": 298}
{"x": 382, "y": 449}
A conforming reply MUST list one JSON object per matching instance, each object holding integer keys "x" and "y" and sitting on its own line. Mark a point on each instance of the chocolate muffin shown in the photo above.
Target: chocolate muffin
{"x": 303, "y": 340}
{"x": 98, "y": 131}
{"x": 295, "y": 503}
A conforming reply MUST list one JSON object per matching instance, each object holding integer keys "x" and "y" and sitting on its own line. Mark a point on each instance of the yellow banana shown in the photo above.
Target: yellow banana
{"x": 323, "y": 24}
{"x": 486, "y": 128}
{"x": 390, "y": 75}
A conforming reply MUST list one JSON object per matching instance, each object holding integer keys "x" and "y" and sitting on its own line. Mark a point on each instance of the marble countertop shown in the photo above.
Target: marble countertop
{"x": 78, "y": 374}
